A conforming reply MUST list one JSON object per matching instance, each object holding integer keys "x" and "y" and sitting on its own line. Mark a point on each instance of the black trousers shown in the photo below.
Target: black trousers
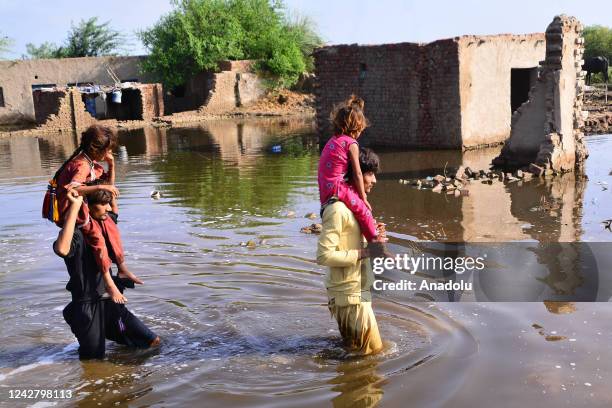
{"x": 92, "y": 322}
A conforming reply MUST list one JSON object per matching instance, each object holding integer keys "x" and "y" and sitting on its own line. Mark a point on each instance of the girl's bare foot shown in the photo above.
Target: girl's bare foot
{"x": 124, "y": 273}
{"x": 116, "y": 296}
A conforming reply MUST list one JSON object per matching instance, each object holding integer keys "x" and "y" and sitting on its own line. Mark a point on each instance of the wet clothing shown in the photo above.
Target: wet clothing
{"x": 348, "y": 280}
{"x": 94, "y": 322}
{"x": 80, "y": 171}
{"x": 91, "y": 317}
{"x": 358, "y": 327}
{"x": 333, "y": 167}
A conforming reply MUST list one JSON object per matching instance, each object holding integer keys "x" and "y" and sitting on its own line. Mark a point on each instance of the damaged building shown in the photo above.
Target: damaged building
{"x": 71, "y": 93}
{"x": 77, "y": 107}
{"x": 233, "y": 86}
{"x": 547, "y": 131}
{"x": 19, "y": 80}
{"x": 456, "y": 93}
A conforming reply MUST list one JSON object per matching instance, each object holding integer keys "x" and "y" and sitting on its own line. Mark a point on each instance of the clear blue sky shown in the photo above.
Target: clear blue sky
{"x": 339, "y": 21}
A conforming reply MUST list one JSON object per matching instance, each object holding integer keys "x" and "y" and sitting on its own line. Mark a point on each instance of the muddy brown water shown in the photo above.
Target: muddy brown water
{"x": 245, "y": 326}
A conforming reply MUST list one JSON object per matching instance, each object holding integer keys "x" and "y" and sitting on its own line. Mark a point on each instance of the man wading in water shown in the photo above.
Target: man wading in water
{"x": 92, "y": 317}
{"x": 349, "y": 278}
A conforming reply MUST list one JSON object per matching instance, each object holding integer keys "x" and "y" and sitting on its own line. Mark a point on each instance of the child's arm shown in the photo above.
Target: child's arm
{"x": 110, "y": 159}
{"x": 357, "y": 175}
{"x": 64, "y": 240}
{"x": 114, "y": 205}
{"x": 84, "y": 190}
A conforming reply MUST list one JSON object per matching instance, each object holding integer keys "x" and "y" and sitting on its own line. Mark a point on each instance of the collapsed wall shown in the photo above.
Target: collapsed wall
{"x": 60, "y": 110}
{"x": 139, "y": 102}
{"x": 64, "y": 108}
{"x": 546, "y": 131}
{"x": 236, "y": 84}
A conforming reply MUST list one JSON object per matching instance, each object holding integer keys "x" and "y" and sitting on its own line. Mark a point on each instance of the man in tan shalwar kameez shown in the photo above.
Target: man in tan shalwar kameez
{"x": 343, "y": 249}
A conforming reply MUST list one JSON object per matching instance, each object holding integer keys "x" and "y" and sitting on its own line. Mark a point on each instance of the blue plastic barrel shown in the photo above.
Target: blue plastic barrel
{"x": 90, "y": 105}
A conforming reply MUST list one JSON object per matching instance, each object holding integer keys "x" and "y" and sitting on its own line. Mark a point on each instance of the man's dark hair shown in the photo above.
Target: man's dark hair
{"x": 99, "y": 197}
{"x": 368, "y": 162}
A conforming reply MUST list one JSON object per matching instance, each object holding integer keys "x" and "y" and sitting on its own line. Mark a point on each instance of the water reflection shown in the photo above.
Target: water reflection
{"x": 248, "y": 325}
{"x": 358, "y": 386}
{"x": 223, "y": 167}
{"x": 546, "y": 210}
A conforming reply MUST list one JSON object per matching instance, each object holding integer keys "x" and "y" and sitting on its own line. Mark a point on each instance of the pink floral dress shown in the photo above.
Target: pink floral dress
{"x": 333, "y": 166}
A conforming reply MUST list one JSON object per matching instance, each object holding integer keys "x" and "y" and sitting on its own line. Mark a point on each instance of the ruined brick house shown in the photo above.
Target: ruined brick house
{"x": 234, "y": 85}
{"x": 49, "y": 92}
{"x": 19, "y": 80}
{"x": 66, "y": 108}
{"x": 456, "y": 93}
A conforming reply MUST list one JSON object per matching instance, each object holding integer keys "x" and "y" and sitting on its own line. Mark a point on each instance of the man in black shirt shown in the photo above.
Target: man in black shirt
{"x": 92, "y": 316}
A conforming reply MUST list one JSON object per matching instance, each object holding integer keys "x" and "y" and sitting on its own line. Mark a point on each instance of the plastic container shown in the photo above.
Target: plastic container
{"x": 116, "y": 96}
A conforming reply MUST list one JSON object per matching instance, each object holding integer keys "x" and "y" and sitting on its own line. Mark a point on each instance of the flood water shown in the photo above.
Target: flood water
{"x": 248, "y": 326}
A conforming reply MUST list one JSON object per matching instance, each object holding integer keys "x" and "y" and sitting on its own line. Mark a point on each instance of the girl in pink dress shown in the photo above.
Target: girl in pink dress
{"x": 340, "y": 151}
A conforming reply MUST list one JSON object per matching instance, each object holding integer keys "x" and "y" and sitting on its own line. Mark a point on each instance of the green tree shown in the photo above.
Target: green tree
{"x": 44, "y": 50}
{"x": 87, "y": 39}
{"x": 198, "y": 34}
{"x": 5, "y": 45}
{"x": 598, "y": 41}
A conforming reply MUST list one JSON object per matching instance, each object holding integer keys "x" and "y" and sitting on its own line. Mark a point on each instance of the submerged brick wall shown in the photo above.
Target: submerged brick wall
{"x": 411, "y": 91}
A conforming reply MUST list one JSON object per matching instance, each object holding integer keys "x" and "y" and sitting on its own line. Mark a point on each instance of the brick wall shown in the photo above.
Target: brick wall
{"x": 46, "y": 104}
{"x": 411, "y": 91}
{"x": 61, "y": 110}
{"x": 152, "y": 101}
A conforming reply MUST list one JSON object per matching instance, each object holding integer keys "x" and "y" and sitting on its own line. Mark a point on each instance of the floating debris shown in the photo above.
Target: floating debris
{"x": 311, "y": 216}
{"x": 455, "y": 184}
{"x": 251, "y": 244}
{"x": 560, "y": 307}
{"x": 607, "y": 224}
{"x": 312, "y": 229}
{"x": 156, "y": 195}
{"x": 290, "y": 214}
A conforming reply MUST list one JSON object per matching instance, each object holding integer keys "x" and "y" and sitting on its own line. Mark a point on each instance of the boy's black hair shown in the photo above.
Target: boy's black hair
{"x": 99, "y": 196}
{"x": 368, "y": 162}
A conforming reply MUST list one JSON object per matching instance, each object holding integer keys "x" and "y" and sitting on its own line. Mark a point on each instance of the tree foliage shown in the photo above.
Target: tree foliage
{"x": 598, "y": 41}
{"x": 5, "y": 44}
{"x": 87, "y": 39}
{"x": 198, "y": 34}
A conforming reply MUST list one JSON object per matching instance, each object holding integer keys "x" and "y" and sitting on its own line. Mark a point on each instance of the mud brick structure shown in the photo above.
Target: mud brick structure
{"x": 25, "y": 85}
{"x": 547, "y": 131}
{"x": 218, "y": 92}
{"x": 61, "y": 110}
{"x": 139, "y": 102}
{"x": 64, "y": 108}
{"x": 455, "y": 93}
{"x": 20, "y": 78}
